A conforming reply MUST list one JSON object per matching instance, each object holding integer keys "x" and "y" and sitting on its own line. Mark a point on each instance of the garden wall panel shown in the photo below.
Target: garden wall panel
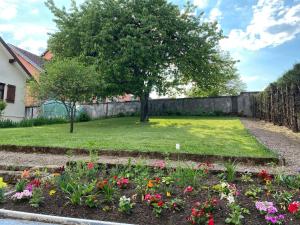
{"x": 233, "y": 105}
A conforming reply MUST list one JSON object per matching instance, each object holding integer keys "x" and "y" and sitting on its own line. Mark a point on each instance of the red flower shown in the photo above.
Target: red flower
{"x": 188, "y": 189}
{"x": 35, "y": 183}
{"x": 294, "y": 207}
{"x": 265, "y": 175}
{"x": 115, "y": 177}
{"x": 211, "y": 220}
{"x": 90, "y": 165}
{"x": 160, "y": 204}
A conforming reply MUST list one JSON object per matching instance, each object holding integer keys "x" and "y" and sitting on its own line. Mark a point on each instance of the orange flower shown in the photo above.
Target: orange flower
{"x": 25, "y": 174}
{"x": 150, "y": 184}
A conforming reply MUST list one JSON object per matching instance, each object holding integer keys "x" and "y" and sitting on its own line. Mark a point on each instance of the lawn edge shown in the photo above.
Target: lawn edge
{"x": 150, "y": 154}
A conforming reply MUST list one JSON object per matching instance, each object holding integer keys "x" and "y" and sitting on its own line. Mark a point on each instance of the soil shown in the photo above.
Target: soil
{"x": 142, "y": 213}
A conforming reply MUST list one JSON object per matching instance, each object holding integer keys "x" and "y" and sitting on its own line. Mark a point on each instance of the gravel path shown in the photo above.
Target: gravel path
{"x": 279, "y": 139}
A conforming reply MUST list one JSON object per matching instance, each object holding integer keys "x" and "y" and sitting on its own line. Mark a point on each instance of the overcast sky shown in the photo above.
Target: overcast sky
{"x": 262, "y": 34}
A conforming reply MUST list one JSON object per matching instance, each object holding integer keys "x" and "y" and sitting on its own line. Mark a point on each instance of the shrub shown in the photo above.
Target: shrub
{"x": 40, "y": 121}
{"x": 2, "y": 107}
{"x": 83, "y": 117}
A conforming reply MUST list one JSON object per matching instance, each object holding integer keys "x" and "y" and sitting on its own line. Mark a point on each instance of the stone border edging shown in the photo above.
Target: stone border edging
{"x": 134, "y": 153}
{"x": 53, "y": 219}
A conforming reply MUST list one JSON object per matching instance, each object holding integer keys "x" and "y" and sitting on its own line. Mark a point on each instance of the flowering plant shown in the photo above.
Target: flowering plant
{"x": 2, "y": 186}
{"x": 294, "y": 208}
{"x": 26, "y": 194}
{"x": 125, "y": 205}
{"x": 188, "y": 189}
{"x": 156, "y": 202}
{"x": 227, "y": 191}
{"x": 265, "y": 176}
{"x": 202, "y": 214}
{"x": 270, "y": 211}
{"x": 123, "y": 182}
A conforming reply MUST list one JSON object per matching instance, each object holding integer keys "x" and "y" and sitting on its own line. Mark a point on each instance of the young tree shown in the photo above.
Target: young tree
{"x": 141, "y": 45}
{"x": 68, "y": 81}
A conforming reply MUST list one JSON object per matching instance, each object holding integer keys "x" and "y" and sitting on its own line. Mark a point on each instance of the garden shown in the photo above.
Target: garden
{"x": 157, "y": 194}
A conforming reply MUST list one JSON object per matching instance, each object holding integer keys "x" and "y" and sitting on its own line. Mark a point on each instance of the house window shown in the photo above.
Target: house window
{"x": 11, "y": 93}
{"x": 2, "y": 86}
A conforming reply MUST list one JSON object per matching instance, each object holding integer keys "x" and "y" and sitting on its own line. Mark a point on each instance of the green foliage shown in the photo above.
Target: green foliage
{"x": 141, "y": 46}
{"x": 230, "y": 171}
{"x": 231, "y": 87}
{"x": 68, "y": 81}
{"x": 20, "y": 185}
{"x": 283, "y": 198}
{"x": 236, "y": 214}
{"x": 253, "y": 192}
{"x": 2, "y": 107}
{"x": 125, "y": 205}
{"x": 37, "y": 198}
{"x": 2, "y": 197}
{"x": 92, "y": 201}
{"x": 247, "y": 178}
{"x": 184, "y": 176}
{"x": 83, "y": 117}
{"x": 40, "y": 121}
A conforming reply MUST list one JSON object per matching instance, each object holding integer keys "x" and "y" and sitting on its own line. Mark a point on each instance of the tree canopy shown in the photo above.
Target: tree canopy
{"x": 68, "y": 81}
{"x": 142, "y": 45}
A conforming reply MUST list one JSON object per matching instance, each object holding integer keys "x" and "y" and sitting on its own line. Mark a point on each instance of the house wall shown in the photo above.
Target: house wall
{"x": 13, "y": 75}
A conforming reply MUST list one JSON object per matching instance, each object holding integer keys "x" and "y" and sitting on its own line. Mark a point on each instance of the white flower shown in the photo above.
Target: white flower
{"x": 230, "y": 199}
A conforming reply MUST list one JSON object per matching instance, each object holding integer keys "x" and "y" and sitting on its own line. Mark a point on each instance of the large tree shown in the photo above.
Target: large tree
{"x": 68, "y": 81}
{"x": 141, "y": 45}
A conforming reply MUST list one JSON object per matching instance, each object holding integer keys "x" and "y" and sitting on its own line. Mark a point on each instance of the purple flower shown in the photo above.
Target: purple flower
{"x": 272, "y": 210}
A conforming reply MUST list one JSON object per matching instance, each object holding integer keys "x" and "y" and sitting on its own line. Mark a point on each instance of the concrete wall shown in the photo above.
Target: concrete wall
{"x": 191, "y": 106}
{"x": 11, "y": 73}
{"x": 231, "y": 105}
{"x": 234, "y": 105}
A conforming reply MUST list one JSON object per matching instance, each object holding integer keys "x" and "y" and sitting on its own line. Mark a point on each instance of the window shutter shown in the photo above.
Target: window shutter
{"x": 11, "y": 93}
{"x": 2, "y": 86}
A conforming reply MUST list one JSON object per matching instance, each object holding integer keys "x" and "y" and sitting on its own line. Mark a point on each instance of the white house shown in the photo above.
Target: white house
{"x": 14, "y": 73}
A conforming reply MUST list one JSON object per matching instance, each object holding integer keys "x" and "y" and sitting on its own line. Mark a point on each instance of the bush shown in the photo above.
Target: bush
{"x": 83, "y": 117}
{"x": 40, "y": 121}
{"x": 2, "y": 107}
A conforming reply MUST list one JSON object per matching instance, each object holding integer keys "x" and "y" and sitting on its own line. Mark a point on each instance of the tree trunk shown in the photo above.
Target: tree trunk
{"x": 144, "y": 107}
{"x": 71, "y": 119}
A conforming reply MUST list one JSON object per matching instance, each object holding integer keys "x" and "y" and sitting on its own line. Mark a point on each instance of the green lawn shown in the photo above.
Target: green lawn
{"x": 201, "y": 135}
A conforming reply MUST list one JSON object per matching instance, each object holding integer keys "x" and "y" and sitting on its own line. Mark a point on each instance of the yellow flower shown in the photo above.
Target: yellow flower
{"x": 52, "y": 192}
{"x": 2, "y": 183}
{"x": 168, "y": 194}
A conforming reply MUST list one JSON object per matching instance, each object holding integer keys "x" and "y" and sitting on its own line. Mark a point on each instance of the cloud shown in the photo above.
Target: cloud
{"x": 34, "y": 11}
{"x": 202, "y": 4}
{"x": 215, "y": 14}
{"x": 8, "y": 9}
{"x": 273, "y": 23}
{"x": 35, "y": 46}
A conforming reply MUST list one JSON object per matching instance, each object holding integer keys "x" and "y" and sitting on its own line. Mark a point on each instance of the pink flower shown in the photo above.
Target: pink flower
{"x": 147, "y": 197}
{"x": 188, "y": 189}
{"x": 157, "y": 196}
{"x": 123, "y": 182}
{"x": 160, "y": 164}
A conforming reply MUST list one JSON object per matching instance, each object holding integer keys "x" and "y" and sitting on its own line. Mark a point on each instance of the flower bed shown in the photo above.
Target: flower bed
{"x": 161, "y": 195}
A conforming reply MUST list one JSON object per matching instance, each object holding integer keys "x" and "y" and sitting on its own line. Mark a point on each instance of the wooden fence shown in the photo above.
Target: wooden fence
{"x": 280, "y": 105}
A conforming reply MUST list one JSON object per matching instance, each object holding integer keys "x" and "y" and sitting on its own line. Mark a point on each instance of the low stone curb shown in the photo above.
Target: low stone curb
{"x": 151, "y": 155}
{"x": 52, "y": 219}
